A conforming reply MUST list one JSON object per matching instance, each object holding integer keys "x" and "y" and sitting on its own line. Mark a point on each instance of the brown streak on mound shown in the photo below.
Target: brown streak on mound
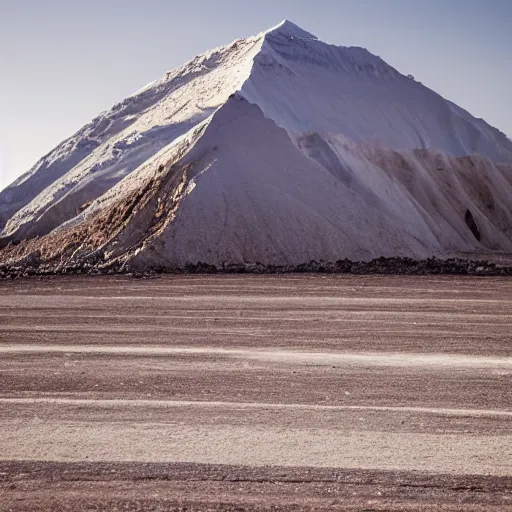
{"x": 473, "y": 175}
{"x": 157, "y": 194}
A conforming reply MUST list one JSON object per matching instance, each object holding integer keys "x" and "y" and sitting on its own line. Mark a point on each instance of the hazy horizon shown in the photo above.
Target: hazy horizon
{"x": 64, "y": 64}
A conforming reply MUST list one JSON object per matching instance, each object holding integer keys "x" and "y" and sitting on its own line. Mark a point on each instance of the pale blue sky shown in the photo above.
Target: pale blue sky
{"x": 64, "y": 61}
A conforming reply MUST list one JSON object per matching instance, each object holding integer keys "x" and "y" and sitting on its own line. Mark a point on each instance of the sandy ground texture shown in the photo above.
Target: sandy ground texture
{"x": 256, "y": 393}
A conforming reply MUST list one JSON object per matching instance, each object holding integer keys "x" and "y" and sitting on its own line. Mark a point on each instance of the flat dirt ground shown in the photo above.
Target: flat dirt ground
{"x": 291, "y": 392}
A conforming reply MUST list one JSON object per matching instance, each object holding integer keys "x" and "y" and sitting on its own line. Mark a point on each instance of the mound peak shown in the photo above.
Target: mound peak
{"x": 289, "y": 29}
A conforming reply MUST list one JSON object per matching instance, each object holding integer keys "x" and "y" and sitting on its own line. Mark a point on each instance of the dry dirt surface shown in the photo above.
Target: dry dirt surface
{"x": 294, "y": 392}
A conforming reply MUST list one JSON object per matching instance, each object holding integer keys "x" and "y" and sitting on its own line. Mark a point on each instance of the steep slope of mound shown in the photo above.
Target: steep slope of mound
{"x": 276, "y": 149}
{"x": 117, "y": 142}
{"x": 306, "y": 86}
{"x": 253, "y": 196}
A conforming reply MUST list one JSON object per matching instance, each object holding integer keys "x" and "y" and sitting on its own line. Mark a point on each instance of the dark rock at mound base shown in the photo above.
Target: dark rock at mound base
{"x": 388, "y": 266}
